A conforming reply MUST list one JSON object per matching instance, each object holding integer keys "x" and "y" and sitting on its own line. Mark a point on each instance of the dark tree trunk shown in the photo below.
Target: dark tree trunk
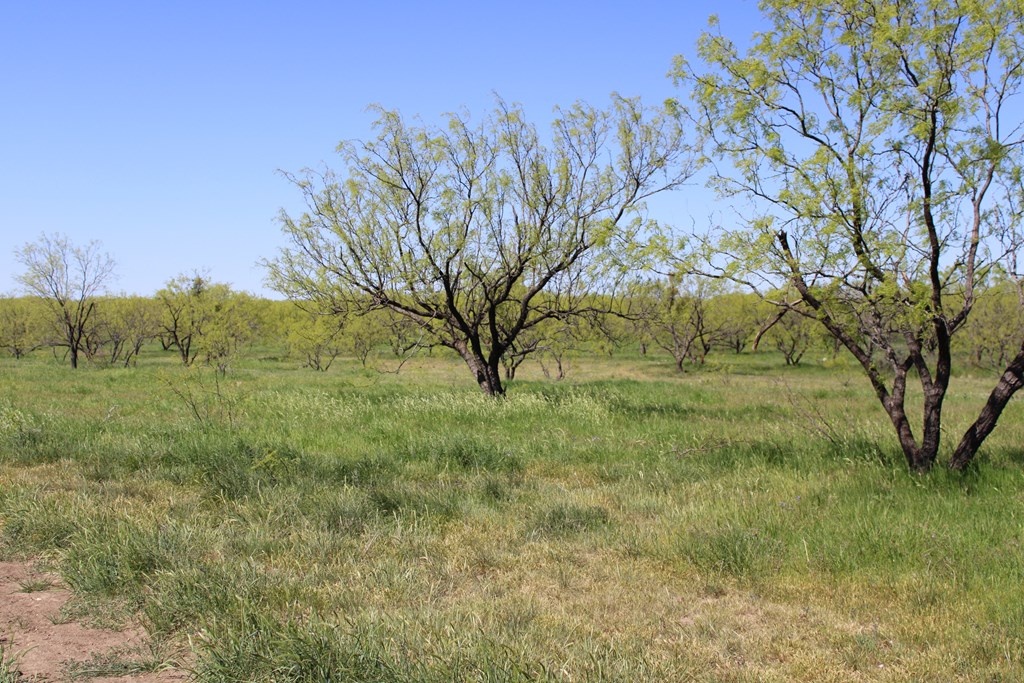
{"x": 487, "y": 374}
{"x": 1009, "y": 383}
{"x": 489, "y": 379}
{"x": 73, "y": 346}
{"x": 912, "y": 452}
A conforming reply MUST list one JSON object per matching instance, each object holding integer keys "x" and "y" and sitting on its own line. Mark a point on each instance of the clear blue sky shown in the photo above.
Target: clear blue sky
{"x": 157, "y": 127}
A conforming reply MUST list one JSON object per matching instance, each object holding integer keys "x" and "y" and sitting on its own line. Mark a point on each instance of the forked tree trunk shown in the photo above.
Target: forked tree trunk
{"x": 487, "y": 374}
{"x": 1009, "y": 383}
{"x": 921, "y": 454}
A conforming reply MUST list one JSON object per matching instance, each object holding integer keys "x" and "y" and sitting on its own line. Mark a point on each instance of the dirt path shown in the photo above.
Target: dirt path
{"x": 30, "y": 602}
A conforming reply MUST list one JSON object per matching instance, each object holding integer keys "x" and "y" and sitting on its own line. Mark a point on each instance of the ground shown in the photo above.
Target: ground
{"x": 47, "y": 648}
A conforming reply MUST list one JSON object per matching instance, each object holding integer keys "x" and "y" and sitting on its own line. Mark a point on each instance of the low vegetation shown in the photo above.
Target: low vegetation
{"x": 743, "y": 521}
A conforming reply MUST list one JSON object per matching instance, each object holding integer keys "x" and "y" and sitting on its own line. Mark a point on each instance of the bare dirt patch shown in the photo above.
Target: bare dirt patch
{"x": 30, "y": 604}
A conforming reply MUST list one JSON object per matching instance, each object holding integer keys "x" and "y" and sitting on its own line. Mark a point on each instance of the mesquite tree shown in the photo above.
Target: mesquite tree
{"x": 478, "y": 233}
{"x": 879, "y": 144}
{"x": 67, "y": 278}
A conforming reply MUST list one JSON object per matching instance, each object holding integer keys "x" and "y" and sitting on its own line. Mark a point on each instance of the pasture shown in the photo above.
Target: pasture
{"x": 741, "y": 522}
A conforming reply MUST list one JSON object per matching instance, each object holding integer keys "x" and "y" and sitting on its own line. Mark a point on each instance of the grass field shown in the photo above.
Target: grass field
{"x": 746, "y": 522}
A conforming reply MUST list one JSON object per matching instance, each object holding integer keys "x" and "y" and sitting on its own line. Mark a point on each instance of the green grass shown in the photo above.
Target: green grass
{"x": 747, "y": 522}
{"x": 9, "y": 671}
{"x": 36, "y": 585}
{"x": 125, "y": 661}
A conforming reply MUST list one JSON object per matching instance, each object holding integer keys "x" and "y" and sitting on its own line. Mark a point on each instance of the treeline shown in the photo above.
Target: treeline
{"x": 206, "y": 322}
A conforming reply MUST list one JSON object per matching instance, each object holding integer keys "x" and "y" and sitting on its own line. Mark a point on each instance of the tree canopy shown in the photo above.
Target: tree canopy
{"x": 478, "y": 232}
{"x": 68, "y": 278}
{"x": 879, "y": 146}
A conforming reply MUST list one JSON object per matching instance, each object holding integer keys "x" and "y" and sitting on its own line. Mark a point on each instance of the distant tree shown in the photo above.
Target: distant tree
{"x": 680, "y": 322}
{"x": 550, "y": 343}
{"x": 317, "y": 339}
{"x": 791, "y": 333}
{"x": 121, "y": 327}
{"x": 996, "y": 326}
{"x": 734, "y": 317}
{"x": 23, "y": 325}
{"x": 68, "y": 278}
{"x": 185, "y": 314}
{"x": 202, "y": 318}
{"x": 879, "y": 148}
{"x": 232, "y": 325}
{"x": 477, "y": 233}
{"x": 613, "y": 329}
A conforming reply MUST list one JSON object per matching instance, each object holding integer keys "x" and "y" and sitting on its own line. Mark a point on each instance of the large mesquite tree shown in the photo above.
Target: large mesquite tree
{"x": 879, "y": 146}
{"x": 478, "y": 233}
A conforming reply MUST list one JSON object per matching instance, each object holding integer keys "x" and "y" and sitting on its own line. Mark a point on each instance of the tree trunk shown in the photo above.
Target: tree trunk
{"x": 490, "y": 379}
{"x": 906, "y": 438}
{"x": 1009, "y": 383}
{"x": 73, "y": 346}
{"x": 487, "y": 375}
{"x": 931, "y": 433}
{"x": 895, "y": 407}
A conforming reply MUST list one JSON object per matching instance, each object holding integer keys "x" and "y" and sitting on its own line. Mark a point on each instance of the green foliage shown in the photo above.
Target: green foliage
{"x": 120, "y": 328}
{"x": 479, "y": 233}
{"x": 24, "y": 325}
{"x": 67, "y": 278}
{"x": 881, "y": 150}
{"x": 206, "y": 319}
{"x": 736, "y": 317}
{"x": 317, "y": 339}
{"x": 9, "y": 671}
{"x": 679, "y": 321}
{"x": 992, "y": 335}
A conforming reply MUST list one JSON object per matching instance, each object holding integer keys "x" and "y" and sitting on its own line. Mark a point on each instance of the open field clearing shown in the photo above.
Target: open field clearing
{"x": 743, "y": 522}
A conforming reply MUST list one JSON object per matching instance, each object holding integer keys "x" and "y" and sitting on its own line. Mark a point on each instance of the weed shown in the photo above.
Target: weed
{"x": 36, "y": 585}
{"x": 9, "y": 671}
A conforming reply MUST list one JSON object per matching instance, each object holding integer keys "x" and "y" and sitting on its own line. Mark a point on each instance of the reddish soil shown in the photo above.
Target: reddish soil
{"x": 44, "y": 649}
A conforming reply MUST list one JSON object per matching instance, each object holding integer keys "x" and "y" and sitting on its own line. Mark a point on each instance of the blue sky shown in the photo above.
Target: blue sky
{"x": 157, "y": 128}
